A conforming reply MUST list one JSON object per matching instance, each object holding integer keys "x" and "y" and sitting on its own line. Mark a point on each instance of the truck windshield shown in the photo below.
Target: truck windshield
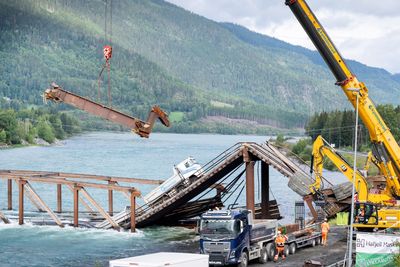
{"x": 219, "y": 227}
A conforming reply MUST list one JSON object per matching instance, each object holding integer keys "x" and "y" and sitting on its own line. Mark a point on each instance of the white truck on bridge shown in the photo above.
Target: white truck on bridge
{"x": 182, "y": 172}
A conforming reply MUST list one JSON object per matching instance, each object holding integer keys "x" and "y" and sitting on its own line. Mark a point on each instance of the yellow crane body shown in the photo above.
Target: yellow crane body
{"x": 384, "y": 147}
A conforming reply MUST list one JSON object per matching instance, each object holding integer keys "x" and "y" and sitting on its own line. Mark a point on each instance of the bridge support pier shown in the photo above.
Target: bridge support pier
{"x": 249, "y": 180}
{"x": 133, "y": 208}
{"x": 110, "y": 199}
{"x": 264, "y": 190}
{"x": 9, "y": 189}
{"x": 76, "y": 205}
{"x": 250, "y": 186}
{"x": 21, "y": 185}
{"x": 59, "y": 198}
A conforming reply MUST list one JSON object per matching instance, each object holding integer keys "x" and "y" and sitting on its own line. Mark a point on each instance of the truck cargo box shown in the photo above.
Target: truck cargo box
{"x": 163, "y": 259}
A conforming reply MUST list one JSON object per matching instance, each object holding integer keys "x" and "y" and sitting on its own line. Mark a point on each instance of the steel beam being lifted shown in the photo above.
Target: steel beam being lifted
{"x": 142, "y": 128}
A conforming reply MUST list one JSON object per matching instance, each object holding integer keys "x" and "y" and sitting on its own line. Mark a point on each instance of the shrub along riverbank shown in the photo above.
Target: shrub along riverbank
{"x": 25, "y": 126}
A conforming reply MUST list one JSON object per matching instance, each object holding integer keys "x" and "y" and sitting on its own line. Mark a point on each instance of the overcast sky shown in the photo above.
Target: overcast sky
{"x": 364, "y": 30}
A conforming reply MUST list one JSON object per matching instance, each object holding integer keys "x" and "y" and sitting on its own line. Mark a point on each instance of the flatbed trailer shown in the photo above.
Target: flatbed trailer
{"x": 293, "y": 243}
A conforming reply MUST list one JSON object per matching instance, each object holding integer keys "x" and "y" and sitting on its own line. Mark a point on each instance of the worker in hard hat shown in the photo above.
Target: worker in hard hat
{"x": 324, "y": 230}
{"x": 280, "y": 245}
{"x": 360, "y": 216}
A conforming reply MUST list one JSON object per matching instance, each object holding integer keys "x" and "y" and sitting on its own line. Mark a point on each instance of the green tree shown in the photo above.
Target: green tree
{"x": 3, "y": 137}
{"x": 300, "y": 146}
{"x": 305, "y": 155}
{"x": 280, "y": 139}
{"x": 57, "y": 126}
{"x": 70, "y": 125}
{"x": 45, "y": 131}
{"x": 31, "y": 135}
{"x": 391, "y": 118}
{"x": 348, "y": 121}
{"x": 8, "y": 123}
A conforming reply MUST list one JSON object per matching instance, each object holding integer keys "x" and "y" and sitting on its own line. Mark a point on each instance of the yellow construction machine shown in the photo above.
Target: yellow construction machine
{"x": 375, "y": 206}
{"x": 385, "y": 149}
{"x": 365, "y": 192}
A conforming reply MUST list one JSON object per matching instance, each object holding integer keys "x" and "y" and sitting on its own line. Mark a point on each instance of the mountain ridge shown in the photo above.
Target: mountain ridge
{"x": 163, "y": 54}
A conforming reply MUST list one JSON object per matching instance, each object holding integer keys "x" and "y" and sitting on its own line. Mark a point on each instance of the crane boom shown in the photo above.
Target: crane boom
{"x": 385, "y": 148}
{"x": 142, "y": 128}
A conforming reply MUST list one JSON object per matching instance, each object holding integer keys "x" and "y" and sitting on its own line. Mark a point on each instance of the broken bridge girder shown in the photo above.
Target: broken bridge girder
{"x": 142, "y": 128}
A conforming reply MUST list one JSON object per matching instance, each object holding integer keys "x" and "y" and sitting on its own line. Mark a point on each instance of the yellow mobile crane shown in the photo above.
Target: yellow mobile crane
{"x": 384, "y": 147}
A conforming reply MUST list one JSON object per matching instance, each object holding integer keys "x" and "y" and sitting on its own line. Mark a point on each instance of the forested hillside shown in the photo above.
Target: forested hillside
{"x": 192, "y": 67}
{"x": 337, "y": 127}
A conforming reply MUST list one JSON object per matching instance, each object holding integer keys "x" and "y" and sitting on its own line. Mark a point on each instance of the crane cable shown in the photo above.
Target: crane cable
{"x": 107, "y": 52}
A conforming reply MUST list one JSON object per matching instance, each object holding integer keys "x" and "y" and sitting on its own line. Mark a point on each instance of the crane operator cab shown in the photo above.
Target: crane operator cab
{"x": 365, "y": 213}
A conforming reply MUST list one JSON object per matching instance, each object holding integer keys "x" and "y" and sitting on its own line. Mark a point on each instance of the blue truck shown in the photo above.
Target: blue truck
{"x": 234, "y": 237}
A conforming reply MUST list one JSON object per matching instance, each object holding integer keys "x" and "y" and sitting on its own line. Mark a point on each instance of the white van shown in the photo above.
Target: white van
{"x": 163, "y": 259}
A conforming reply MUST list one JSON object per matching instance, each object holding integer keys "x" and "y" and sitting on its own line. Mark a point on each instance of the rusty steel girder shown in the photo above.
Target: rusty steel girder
{"x": 142, "y": 128}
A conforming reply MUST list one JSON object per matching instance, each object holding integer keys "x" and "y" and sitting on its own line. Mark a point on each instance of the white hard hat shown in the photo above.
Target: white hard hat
{"x": 279, "y": 232}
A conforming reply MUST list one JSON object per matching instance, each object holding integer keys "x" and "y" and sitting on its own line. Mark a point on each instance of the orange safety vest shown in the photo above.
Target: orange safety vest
{"x": 280, "y": 241}
{"x": 325, "y": 227}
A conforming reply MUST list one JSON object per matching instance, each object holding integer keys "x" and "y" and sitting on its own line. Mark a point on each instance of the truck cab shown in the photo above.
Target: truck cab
{"x": 233, "y": 237}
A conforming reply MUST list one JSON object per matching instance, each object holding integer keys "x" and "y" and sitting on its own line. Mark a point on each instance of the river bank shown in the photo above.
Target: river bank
{"x": 36, "y": 142}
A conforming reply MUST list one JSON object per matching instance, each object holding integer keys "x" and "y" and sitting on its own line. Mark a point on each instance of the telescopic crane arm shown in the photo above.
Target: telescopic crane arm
{"x": 142, "y": 128}
{"x": 385, "y": 148}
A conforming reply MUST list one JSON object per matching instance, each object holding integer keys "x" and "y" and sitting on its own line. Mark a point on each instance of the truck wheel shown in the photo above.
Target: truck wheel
{"x": 286, "y": 251}
{"x": 270, "y": 248}
{"x": 192, "y": 179}
{"x": 313, "y": 242}
{"x": 263, "y": 255}
{"x": 180, "y": 188}
{"x": 318, "y": 240}
{"x": 244, "y": 260}
{"x": 292, "y": 248}
{"x": 165, "y": 198}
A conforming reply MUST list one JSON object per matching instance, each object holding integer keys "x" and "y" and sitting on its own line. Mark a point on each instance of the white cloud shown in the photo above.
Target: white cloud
{"x": 364, "y": 30}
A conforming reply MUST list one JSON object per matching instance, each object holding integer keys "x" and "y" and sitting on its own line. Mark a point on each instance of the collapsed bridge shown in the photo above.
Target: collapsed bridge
{"x": 187, "y": 201}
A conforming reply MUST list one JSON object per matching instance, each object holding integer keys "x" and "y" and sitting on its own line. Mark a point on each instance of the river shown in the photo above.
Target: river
{"x": 114, "y": 154}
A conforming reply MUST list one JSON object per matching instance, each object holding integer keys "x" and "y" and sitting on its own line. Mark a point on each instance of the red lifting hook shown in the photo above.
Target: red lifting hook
{"x": 107, "y": 51}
